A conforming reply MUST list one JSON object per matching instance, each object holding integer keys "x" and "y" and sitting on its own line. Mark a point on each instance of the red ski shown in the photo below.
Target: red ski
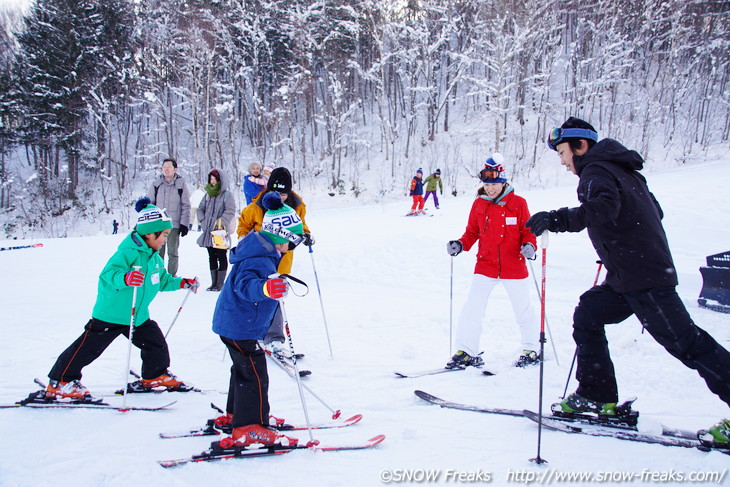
{"x": 214, "y": 454}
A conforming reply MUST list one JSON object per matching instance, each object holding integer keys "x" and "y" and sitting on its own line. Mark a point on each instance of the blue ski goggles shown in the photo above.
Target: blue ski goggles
{"x": 558, "y": 136}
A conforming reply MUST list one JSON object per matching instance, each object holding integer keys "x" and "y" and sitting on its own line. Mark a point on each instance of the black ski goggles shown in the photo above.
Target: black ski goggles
{"x": 558, "y": 136}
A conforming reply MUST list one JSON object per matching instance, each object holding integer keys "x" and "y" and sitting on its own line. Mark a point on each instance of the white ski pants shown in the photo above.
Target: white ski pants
{"x": 469, "y": 326}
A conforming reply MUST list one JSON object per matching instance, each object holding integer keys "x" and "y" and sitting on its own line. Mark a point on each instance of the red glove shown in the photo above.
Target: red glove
{"x": 134, "y": 278}
{"x": 190, "y": 284}
{"x": 276, "y": 288}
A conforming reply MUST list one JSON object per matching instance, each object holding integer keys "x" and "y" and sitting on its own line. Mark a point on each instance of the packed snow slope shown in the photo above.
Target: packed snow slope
{"x": 385, "y": 286}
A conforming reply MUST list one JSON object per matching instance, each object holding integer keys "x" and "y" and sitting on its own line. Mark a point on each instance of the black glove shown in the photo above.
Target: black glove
{"x": 538, "y": 223}
{"x": 183, "y": 230}
{"x": 454, "y": 248}
{"x": 308, "y": 239}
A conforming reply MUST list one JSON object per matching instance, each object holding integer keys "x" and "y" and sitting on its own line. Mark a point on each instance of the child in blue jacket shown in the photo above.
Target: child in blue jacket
{"x": 243, "y": 313}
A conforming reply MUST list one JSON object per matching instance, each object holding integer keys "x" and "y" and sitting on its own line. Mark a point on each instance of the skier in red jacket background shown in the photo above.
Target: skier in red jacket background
{"x": 497, "y": 222}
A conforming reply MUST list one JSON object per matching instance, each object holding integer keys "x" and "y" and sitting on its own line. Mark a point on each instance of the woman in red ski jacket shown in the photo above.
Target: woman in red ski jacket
{"x": 497, "y": 222}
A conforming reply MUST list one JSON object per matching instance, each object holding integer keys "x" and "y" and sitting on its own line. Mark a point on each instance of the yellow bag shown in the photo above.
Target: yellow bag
{"x": 220, "y": 238}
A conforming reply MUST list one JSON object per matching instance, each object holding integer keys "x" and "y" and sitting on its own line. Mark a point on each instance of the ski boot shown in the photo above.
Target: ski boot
{"x": 257, "y": 436}
{"x": 579, "y": 408}
{"x": 73, "y": 390}
{"x": 277, "y": 349}
{"x": 221, "y": 424}
{"x": 224, "y": 424}
{"x": 528, "y": 357}
{"x": 576, "y": 403}
{"x": 718, "y": 436}
{"x": 164, "y": 382}
{"x": 462, "y": 360}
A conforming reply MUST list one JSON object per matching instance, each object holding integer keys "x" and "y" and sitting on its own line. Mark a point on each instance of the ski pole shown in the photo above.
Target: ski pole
{"x": 129, "y": 348}
{"x": 451, "y": 305}
{"x": 22, "y": 247}
{"x": 547, "y": 325}
{"x": 335, "y": 414}
{"x": 179, "y": 309}
{"x": 296, "y": 373}
{"x": 321, "y": 305}
{"x": 544, "y": 244}
{"x": 575, "y": 354}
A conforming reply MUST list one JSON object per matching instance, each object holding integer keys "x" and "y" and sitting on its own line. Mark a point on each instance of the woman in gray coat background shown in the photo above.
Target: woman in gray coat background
{"x": 218, "y": 203}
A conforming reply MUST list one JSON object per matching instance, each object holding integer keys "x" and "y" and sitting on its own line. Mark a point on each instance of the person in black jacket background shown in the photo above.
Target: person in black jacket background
{"x": 624, "y": 224}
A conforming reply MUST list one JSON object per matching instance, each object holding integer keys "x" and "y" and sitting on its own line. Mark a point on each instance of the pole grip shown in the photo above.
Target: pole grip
{"x": 544, "y": 240}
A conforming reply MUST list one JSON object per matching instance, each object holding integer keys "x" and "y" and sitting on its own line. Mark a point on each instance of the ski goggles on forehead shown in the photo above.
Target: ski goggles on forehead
{"x": 558, "y": 136}
{"x": 486, "y": 174}
{"x": 489, "y": 173}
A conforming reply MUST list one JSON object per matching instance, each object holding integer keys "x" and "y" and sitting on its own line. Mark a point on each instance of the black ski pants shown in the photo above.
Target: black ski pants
{"x": 248, "y": 390}
{"x": 662, "y": 313}
{"x": 98, "y": 335}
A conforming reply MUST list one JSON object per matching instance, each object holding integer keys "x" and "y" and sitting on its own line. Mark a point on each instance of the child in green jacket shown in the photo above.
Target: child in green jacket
{"x": 111, "y": 315}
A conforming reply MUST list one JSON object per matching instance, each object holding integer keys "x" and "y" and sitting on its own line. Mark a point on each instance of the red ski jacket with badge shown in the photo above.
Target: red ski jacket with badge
{"x": 499, "y": 227}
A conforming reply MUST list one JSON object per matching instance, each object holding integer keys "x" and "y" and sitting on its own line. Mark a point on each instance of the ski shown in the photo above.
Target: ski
{"x": 418, "y": 214}
{"x": 578, "y": 420}
{"x": 83, "y": 405}
{"x": 627, "y": 419}
{"x": 38, "y": 399}
{"x": 210, "y": 428}
{"x": 285, "y": 365}
{"x": 91, "y": 406}
{"x": 286, "y": 356}
{"x": 214, "y": 454}
{"x": 32, "y": 246}
{"x": 423, "y": 373}
{"x": 136, "y": 388}
{"x": 553, "y": 423}
{"x": 465, "y": 407}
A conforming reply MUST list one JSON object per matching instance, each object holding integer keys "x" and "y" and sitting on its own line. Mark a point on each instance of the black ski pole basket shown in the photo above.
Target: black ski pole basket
{"x": 715, "y": 293}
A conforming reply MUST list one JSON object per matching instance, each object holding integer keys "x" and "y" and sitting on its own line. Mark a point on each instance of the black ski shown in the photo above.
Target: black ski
{"x": 137, "y": 388}
{"x": 86, "y": 405}
{"x": 627, "y": 419}
{"x": 38, "y": 400}
{"x": 616, "y": 423}
{"x": 217, "y": 453}
{"x": 556, "y": 424}
{"x": 442, "y": 370}
{"x": 465, "y": 407}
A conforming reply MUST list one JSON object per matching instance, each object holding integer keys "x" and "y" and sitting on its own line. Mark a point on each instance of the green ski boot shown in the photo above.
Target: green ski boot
{"x": 577, "y": 404}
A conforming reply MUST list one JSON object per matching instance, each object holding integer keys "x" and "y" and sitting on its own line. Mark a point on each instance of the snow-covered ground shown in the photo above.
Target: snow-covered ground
{"x": 385, "y": 286}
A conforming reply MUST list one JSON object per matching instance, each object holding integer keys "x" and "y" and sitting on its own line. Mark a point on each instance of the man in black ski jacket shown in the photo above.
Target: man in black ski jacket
{"x": 624, "y": 224}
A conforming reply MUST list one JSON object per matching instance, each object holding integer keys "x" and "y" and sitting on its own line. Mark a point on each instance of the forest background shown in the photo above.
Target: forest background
{"x": 351, "y": 95}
